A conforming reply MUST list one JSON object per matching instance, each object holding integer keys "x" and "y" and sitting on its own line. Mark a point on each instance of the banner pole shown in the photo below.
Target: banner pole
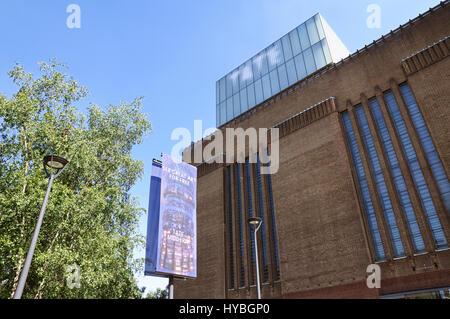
{"x": 170, "y": 287}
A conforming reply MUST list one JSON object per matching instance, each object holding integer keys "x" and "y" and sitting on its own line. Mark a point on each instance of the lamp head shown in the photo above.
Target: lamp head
{"x": 254, "y": 221}
{"x": 55, "y": 162}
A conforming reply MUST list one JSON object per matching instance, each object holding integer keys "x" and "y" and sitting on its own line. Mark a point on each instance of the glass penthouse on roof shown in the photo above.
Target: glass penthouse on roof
{"x": 304, "y": 50}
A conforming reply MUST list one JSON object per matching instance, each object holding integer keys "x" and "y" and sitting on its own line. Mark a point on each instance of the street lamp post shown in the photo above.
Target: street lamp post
{"x": 256, "y": 223}
{"x": 54, "y": 163}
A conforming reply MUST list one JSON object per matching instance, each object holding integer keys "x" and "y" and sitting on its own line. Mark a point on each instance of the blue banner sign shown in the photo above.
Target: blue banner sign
{"x": 174, "y": 213}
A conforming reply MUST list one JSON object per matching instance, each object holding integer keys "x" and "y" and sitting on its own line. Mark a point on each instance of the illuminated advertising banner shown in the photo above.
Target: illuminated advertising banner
{"x": 176, "y": 236}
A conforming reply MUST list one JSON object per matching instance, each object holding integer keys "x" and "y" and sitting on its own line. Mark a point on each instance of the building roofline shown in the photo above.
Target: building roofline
{"x": 324, "y": 70}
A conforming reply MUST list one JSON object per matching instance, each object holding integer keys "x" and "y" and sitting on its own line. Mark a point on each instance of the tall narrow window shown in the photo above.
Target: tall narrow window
{"x": 428, "y": 146}
{"x": 230, "y": 231}
{"x": 397, "y": 176}
{"x": 261, "y": 214}
{"x": 274, "y": 227}
{"x": 240, "y": 230}
{"x": 380, "y": 184}
{"x": 366, "y": 198}
{"x": 416, "y": 172}
{"x": 250, "y": 214}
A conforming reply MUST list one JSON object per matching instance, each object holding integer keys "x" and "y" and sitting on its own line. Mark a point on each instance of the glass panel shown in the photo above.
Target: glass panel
{"x": 318, "y": 55}
{"x": 259, "y": 65}
{"x": 380, "y": 184}
{"x": 300, "y": 66}
{"x": 309, "y": 61}
{"x": 397, "y": 176}
{"x": 251, "y": 96}
{"x": 217, "y": 92}
{"x": 266, "y": 86}
{"x": 259, "y": 92}
{"x": 362, "y": 180}
{"x": 236, "y": 105}
{"x": 428, "y": 146}
{"x": 234, "y": 76}
{"x": 229, "y": 109}
{"x": 291, "y": 71}
{"x": 223, "y": 112}
{"x": 274, "y": 55}
{"x": 242, "y": 81}
{"x": 247, "y": 73}
{"x": 319, "y": 26}
{"x": 244, "y": 104}
{"x": 286, "y": 47}
{"x": 416, "y": 172}
{"x": 326, "y": 51}
{"x": 222, "y": 89}
{"x": 303, "y": 35}
{"x": 282, "y": 75}
{"x": 217, "y": 114}
{"x": 312, "y": 31}
{"x": 229, "y": 86}
{"x": 295, "y": 42}
{"x": 274, "y": 82}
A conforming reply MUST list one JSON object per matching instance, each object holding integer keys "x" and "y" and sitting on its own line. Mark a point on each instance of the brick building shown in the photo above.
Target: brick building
{"x": 363, "y": 179}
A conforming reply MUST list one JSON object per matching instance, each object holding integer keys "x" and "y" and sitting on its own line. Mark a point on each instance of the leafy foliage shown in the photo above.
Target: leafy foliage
{"x": 90, "y": 219}
{"x": 158, "y": 294}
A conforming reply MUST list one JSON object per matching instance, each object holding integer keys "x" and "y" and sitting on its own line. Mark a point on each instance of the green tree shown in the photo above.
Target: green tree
{"x": 91, "y": 220}
{"x": 158, "y": 294}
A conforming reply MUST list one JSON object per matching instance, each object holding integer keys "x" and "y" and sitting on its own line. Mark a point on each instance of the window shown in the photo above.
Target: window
{"x": 274, "y": 82}
{"x": 250, "y": 214}
{"x": 309, "y": 61}
{"x": 229, "y": 86}
{"x": 380, "y": 184}
{"x": 295, "y": 42}
{"x": 229, "y": 109}
{"x": 249, "y": 195}
{"x": 319, "y": 26}
{"x": 364, "y": 189}
{"x": 300, "y": 66}
{"x": 236, "y": 105}
{"x": 230, "y": 231}
{"x": 416, "y": 172}
{"x": 262, "y": 231}
{"x": 318, "y": 55}
{"x": 251, "y": 96}
{"x": 266, "y": 86}
{"x": 286, "y": 47}
{"x": 222, "y": 89}
{"x": 427, "y": 144}
{"x": 291, "y": 72}
{"x": 303, "y": 35}
{"x": 247, "y": 73}
{"x": 217, "y": 93}
{"x": 259, "y": 92}
{"x": 282, "y": 75}
{"x": 274, "y": 55}
{"x": 244, "y": 103}
{"x": 240, "y": 220}
{"x": 397, "y": 176}
{"x": 312, "y": 31}
{"x": 326, "y": 51}
{"x": 223, "y": 112}
{"x": 274, "y": 227}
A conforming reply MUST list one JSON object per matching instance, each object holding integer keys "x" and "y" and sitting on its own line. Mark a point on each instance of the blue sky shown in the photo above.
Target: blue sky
{"x": 170, "y": 52}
